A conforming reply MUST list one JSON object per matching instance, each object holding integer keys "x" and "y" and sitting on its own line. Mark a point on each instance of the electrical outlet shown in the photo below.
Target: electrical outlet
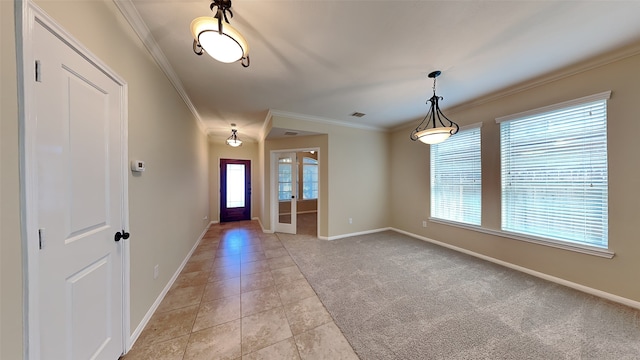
{"x": 156, "y": 271}
{"x": 424, "y": 223}
{"x": 205, "y": 218}
{"x": 350, "y": 221}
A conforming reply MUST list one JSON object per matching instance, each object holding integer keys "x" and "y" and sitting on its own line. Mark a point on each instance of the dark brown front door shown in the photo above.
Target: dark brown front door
{"x": 235, "y": 190}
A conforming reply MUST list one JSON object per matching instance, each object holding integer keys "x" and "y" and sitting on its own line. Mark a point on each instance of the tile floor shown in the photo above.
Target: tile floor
{"x": 241, "y": 296}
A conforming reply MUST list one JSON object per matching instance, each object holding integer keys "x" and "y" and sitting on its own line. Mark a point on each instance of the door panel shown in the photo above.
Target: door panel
{"x": 80, "y": 204}
{"x": 286, "y": 168}
{"x": 235, "y": 190}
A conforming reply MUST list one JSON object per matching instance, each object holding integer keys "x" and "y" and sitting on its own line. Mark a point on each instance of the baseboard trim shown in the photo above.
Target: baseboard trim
{"x": 262, "y": 227}
{"x": 557, "y": 280}
{"x": 154, "y": 306}
{"x": 366, "y": 232}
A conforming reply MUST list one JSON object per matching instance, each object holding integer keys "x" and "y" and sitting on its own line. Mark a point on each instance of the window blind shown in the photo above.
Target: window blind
{"x": 456, "y": 177}
{"x": 554, "y": 174}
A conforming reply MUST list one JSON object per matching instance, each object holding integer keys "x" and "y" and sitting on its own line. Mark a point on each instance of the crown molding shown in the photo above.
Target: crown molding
{"x": 132, "y": 15}
{"x": 580, "y": 67}
{"x": 321, "y": 120}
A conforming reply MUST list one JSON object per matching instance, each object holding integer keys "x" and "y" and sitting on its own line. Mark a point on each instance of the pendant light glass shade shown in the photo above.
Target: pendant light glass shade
{"x": 233, "y": 139}
{"x": 435, "y": 135}
{"x": 227, "y": 47}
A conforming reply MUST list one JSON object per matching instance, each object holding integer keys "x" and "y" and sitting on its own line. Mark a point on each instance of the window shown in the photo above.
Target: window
{"x": 309, "y": 178}
{"x": 455, "y": 177}
{"x": 554, "y": 172}
{"x": 285, "y": 171}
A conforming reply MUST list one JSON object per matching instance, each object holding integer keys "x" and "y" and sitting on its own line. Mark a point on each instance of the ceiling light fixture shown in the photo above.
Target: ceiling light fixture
{"x": 428, "y": 130}
{"x": 222, "y": 42}
{"x": 233, "y": 139}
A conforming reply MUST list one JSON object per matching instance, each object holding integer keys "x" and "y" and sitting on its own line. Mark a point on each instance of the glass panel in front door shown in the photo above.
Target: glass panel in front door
{"x": 235, "y": 186}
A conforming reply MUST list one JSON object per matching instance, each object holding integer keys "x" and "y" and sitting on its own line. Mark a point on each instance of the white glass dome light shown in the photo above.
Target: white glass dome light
{"x": 228, "y": 47}
{"x": 435, "y": 135}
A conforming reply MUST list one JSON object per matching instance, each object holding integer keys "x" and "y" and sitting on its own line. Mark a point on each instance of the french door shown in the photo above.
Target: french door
{"x": 235, "y": 190}
{"x": 286, "y": 170}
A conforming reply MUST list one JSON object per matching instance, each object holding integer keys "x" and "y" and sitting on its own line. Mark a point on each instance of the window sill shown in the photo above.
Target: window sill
{"x": 583, "y": 249}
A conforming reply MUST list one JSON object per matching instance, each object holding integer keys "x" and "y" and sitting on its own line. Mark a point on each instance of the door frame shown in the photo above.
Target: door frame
{"x": 223, "y": 185}
{"x": 27, "y": 14}
{"x": 273, "y": 170}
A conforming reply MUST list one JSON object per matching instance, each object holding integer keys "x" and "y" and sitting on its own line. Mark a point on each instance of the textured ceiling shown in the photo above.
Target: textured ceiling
{"x": 328, "y": 59}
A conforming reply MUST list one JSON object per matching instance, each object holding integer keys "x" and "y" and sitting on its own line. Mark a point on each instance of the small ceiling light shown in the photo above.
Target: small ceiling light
{"x": 222, "y": 42}
{"x": 428, "y": 130}
{"x": 233, "y": 139}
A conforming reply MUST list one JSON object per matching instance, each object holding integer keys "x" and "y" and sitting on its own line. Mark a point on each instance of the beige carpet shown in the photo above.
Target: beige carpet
{"x": 395, "y": 297}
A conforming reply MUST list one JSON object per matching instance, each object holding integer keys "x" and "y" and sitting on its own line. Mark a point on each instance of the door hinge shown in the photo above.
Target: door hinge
{"x": 41, "y": 238}
{"x": 38, "y": 76}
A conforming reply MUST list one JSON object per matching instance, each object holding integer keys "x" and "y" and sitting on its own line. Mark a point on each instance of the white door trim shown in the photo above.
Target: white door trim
{"x": 27, "y": 14}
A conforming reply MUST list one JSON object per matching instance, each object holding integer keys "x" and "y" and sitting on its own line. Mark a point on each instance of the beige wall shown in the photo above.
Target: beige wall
{"x": 167, "y": 203}
{"x": 10, "y": 245}
{"x": 410, "y": 182}
{"x": 248, "y": 151}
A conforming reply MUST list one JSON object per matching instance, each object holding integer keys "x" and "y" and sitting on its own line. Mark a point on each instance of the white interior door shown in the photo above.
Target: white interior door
{"x": 286, "y": 191}
{"x": 79, "y": 178}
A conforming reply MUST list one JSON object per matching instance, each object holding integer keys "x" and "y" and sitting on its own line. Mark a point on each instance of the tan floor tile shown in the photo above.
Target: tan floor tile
{"x": 181, "y": 297}
{"x": 221, "y": 289}
{"x": 324, "y": 342}
{"x": 274, "y": 253}
{"x": 260, "y": 300}
{"x": 284, "y": 350}
{"x": 254, "y": 256}
{"x": 280, "y": 262}
{"x": 256, "y": 281}
{"x": 264, "y": 329}
{"x": 226, "y": 261}
{"x": 198, "y": 265}
{"x": 272, "y": 245}
{"x": 254, "y": 267}
{"x": 217, "y": 312}
{"x": 286, "y": 274}
{"x": 223, "y": 273}
{"x": 218, "y": 342}
{"x": 306, "y": 314}
{"x": 168, "y": 325}
{"x": 255, "y": 248}
{"x": 202, "y": 255}
{"x": 224, "y": 252}
{"x": 167, "y": 350}
{"x": 295, "y": 291}
{"x": 206, "y": 247}
{"x": 192, "y": 279}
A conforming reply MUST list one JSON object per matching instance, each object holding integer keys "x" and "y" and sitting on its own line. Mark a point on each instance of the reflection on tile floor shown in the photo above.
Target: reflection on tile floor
{"x": 241, "y": 296}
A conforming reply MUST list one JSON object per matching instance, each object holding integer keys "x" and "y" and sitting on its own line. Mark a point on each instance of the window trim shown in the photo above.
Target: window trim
{"x": 605, "y": 95}
{"x": 556, "y": 243}
{"x": 579, "y": 248}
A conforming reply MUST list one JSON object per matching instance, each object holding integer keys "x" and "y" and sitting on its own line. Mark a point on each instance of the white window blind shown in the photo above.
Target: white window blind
{"x": 455, "y": 177}
{"x": 554, "y": 172}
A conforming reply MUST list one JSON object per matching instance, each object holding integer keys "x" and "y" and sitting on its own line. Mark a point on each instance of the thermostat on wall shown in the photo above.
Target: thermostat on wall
{"x": 137, "y": 165}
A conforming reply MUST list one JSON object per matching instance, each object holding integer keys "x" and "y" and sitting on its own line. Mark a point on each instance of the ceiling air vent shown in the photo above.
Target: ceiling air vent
{"x": 291, "y": 133}
{"x": 358, "y": 114}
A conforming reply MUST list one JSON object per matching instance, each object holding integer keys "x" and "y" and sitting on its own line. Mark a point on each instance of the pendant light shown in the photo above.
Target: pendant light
{"x": 233, "y": 140}
{"x": 435, "y": 127}
{"x": 221, "y": 41}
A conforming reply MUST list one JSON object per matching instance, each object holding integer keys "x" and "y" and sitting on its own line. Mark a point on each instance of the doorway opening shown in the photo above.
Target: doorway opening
{"x": 295, "y": 190}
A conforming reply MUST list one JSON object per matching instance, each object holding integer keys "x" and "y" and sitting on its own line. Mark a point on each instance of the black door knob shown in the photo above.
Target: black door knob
{"x": 121, "y": 235}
